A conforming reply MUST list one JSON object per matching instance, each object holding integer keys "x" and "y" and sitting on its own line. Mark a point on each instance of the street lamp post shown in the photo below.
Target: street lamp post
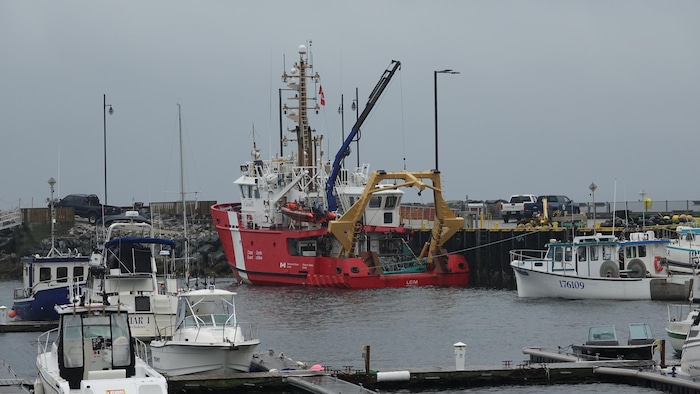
{"x": 435, "y": 74}
{"x": 644, "y": 207}
{"x": 592, "y": 188}
{"x": 104, "y": 114}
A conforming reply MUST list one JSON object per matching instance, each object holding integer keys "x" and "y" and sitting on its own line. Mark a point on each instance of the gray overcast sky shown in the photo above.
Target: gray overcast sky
{"x": 552, "y": 94}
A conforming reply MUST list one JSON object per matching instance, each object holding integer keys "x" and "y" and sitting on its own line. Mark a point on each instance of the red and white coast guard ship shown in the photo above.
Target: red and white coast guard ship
{"x": 304, "y": 222}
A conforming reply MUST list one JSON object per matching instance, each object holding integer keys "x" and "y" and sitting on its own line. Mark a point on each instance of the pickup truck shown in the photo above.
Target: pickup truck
{"x": 87, "y": 206}
{"x": 515, "y": 207}
{"x": 556, "y": 206}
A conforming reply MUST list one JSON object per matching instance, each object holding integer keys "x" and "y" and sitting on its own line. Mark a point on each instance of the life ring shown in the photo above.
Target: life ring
{"x": 657, "y": 264}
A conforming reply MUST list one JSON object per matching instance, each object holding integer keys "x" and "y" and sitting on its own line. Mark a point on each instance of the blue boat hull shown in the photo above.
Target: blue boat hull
{"x": 41, "y": 305}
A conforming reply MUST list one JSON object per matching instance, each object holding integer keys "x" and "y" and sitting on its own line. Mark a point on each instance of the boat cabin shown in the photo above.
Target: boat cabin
{"x": 94, "y": 343}
{"x": 45, "y": 272}
{"x": 605, "y": 256}
{"x": 586, "y": 256}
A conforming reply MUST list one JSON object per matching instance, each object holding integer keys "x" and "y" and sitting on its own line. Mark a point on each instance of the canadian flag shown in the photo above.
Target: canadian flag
{"x": 323, "y": 96}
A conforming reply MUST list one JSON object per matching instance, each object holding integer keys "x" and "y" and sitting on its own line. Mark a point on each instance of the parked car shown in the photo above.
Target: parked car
{"x": 515, "y": 206}
{"x": 556, "y": 205}
{"x": 88, "y": 206}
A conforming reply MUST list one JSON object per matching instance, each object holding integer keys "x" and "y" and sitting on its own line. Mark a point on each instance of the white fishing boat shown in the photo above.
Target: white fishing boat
{"x": 124, "y": 271}
{"x": 599, "y": 267}
{"x": 93, "y": 351}
{"x": 208, "y": 338}
{"x": 683, "y": 250}
{"x": 690, "y": 358}
{"x": 680, "y": 318}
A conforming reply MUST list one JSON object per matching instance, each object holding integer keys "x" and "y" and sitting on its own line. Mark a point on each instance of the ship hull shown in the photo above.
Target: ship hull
{"x": 278, "y": 258}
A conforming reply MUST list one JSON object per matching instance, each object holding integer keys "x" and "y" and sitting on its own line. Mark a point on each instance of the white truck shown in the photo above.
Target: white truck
{"x": 515, "y": 206}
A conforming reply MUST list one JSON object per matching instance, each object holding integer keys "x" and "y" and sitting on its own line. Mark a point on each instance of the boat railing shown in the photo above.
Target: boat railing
{"x": 141, "y": 350}
{"x": 250, "y": 330}
{"x": 73, "y": 283}
{"x": 678, "y": 312}
{"x": 45, "y": 339}
{"x": 527, "y": 254}
{"x": 166, "y": 332}
{"x": 21, "y": 292}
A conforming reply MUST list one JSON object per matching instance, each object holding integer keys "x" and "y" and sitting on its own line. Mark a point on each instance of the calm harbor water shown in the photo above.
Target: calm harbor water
{"x": 414, "y": 327}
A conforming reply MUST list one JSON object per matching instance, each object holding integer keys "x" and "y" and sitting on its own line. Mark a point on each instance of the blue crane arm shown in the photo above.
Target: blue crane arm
{"x": 344, "y": 149}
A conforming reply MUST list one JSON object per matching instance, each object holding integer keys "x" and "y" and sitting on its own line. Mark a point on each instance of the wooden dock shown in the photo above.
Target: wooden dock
{"x": 28, "y": 326}
{"x": 278, "y": 373}
{"x": 417, "y": 379}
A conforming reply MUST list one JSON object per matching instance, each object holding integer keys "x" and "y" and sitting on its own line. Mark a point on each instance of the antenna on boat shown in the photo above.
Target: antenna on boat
{"x": 255, "y": 153}
{"x": 614, "y": 214}
{"x": 53, "y": 249}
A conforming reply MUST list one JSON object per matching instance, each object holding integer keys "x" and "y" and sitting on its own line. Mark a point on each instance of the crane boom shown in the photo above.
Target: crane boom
{"x": 373, "y": 98}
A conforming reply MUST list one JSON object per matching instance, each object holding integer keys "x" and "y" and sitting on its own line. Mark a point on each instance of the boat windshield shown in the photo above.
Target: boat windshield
{"x": 640, "y": 331}
{"x": 604, "y": 333}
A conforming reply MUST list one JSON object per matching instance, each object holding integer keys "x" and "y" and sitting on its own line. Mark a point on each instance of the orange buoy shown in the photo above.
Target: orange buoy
{"x": 12, "y": 313}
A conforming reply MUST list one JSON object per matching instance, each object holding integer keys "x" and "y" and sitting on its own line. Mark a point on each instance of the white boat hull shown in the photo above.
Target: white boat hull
{"x": 181, "y": 358}
{"x": 677, "y": 332}
{"x": 537, "y": 284}
{"x": 145, "y": 380}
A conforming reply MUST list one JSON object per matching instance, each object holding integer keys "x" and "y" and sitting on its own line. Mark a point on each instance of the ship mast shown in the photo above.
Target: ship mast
{"x": 184, "y": 201}
{"x": 298, "y": 80}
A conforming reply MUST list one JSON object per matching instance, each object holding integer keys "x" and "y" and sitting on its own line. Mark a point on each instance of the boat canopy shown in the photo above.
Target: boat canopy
{"x": 145, "y": 240}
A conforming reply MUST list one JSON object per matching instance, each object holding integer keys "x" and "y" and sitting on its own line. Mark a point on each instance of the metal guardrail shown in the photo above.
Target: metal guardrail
{"x": 10, "y": 219}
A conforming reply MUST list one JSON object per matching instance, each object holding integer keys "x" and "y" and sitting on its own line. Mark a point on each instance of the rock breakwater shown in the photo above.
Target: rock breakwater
{"x": 207, "y": 258}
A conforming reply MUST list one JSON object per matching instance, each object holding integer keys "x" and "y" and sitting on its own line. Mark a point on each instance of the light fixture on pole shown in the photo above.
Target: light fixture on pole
{"x": 104, "y": 114}
{"x": 435, "y": 74}
{"x": 592, "y": 188}
{"x": 53, "y": 250}
{"x": 282, "y": 109}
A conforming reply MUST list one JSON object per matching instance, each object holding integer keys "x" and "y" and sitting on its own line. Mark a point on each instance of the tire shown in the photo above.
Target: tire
{"x": 636, "y": 269}
{"x": 506, "y": 218}
{"x": 609, "y": 269}
{"x": 92, "y": 218}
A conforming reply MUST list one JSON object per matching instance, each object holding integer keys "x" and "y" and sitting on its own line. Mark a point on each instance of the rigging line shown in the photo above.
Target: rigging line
{"x": 403, "y": 123}
{"x": 192, "y": 156}
{"x": 491, "y": 243}
{"x": 322, "y": 109}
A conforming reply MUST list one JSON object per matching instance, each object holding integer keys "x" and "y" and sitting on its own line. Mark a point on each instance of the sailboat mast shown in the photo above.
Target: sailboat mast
{"x": 182, "y": 194}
